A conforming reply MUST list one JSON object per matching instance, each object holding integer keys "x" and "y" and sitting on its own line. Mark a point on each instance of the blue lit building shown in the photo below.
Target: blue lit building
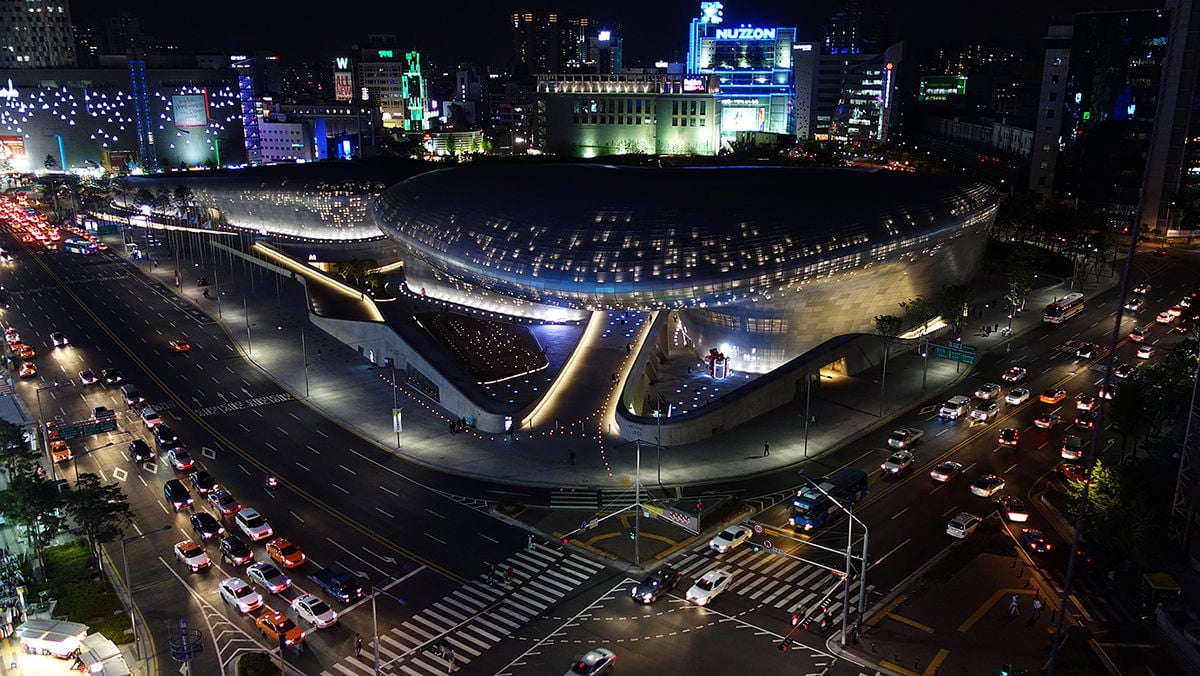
{"x": 753, "y": 66}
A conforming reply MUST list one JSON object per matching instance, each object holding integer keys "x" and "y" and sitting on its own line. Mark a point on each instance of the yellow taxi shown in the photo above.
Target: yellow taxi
{"x": 274, "y": 624}
{"x": 285, "y": 552}
{"x": 60, "y": 451}
{"x": 27, "y": 370}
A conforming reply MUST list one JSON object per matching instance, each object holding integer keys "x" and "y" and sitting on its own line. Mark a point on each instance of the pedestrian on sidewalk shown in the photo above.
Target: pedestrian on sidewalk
{"x": 357, "y": 645}
{"x": 529, "y": 542}
{"x": 766, "y": 449}
{"x": 1014, "y": 607}
{"x": 450, "y": 658}
{"x": 1037, "y": 608}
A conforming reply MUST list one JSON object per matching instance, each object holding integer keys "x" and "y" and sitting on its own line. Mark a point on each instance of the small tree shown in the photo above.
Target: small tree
{"x": 15, "y": 451}
{"x": 34, "y": 503}
{"x": 952, "y": 302}
{"x": 102, "y": 512}
{"x": 918, "y": 310}
{"x": 888, "y": 327}
{"x": 51, "y": 163}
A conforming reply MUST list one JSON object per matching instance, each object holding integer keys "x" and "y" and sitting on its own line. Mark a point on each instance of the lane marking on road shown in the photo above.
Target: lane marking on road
{"x": 893, "y": 551}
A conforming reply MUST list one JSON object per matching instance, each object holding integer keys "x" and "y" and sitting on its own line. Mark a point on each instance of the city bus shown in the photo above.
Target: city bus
{"x": 1063, "y": 309}
{"x": 813, "y": 506}
{"x": 79, "y": 246}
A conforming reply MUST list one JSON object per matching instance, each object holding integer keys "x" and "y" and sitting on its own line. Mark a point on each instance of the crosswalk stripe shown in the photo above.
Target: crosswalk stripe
{"x": 420, "y": 631}
{"x": 764, "y": 589}
{"x": 485, "y": 595}
{"x": 515, "y": 612}
{"x": 581, "y": 565}
{"x": 780, "y": 561}
{"x": 495, "y": 627}
{"x": 459, "y": 617}
{"x": 532, "y": 596}
{"x": 428, "y": 612}
{"x": 470, "y": 650}
{"x": 409, "y": 670}
{"x": 401, "y": 648}
{"x": 786, "y": 602}
{"x": 463, "y": 601}
{"x": 470, "y": 636}
{"x": 552, "y": 582}
{"x": 341, "y": 666}
{"x": 495, "y": 616}
{"x": 437, "y": 629}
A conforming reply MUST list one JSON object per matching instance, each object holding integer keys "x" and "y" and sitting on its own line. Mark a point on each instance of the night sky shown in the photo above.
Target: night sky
{"x": 477, "y": 30}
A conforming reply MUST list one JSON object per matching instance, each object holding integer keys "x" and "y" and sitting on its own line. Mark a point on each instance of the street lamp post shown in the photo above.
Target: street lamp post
{"x": 75, "y": 458}
{"x": 376, "y": 591}
{"x": 862, "y": 575}
{"x": 246, "y": 313}
{"x": 45, "y": 435}
{"x": 129, "y": 589}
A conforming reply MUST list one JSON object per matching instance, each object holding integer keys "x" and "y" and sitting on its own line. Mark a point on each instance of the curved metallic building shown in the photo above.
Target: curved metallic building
{"x": 764, "y": 262}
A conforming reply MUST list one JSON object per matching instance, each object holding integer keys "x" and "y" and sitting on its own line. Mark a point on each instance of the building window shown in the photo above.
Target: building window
{"x": 1050, "y": 114}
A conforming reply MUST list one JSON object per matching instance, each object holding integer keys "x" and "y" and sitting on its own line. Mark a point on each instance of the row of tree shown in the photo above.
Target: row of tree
{"x": 45, "y": 509}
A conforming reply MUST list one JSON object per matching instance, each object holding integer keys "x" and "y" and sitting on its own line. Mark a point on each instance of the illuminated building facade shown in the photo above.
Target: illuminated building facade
{"x": 119, "y": 117}
{"x": 638, "y": 113}
{"x": 783, "y": 260}
{"x": 389, "y": 79}
{"x": 36, "y": 34}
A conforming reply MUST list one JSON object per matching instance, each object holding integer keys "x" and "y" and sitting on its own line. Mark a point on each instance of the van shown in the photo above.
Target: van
{"x": 1072, "y": 448}
{"x": 955, "y": 407}
{"x": 131, "y": 394}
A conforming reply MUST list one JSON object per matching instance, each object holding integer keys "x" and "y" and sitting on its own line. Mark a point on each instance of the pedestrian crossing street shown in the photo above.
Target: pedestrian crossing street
{"x": 770, "y": 580}
{"x": 476, "y": 616}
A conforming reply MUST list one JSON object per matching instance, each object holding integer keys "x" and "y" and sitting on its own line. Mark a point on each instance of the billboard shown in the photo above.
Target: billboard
{"x": 742, "y": 115}
{"x": 191, "y": 110}
{"x": 12, "y": 148}
{"x": 343, "y": 86}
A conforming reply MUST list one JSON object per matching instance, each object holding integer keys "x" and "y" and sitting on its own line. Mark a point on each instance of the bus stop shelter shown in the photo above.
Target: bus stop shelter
{"x": 52, "y": 637}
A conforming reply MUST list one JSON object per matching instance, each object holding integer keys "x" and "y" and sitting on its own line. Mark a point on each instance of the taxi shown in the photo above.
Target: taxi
{"x": 180, "y": 345}
{"x": 27, "y": 369}
{"x": 285, "y": 553}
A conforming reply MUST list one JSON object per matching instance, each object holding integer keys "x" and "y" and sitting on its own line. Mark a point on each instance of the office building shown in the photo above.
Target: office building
{"x": 36, "y": 34}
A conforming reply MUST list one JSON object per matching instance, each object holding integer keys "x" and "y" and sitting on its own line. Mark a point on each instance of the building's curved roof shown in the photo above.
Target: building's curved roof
{"x": 565, "y": 233}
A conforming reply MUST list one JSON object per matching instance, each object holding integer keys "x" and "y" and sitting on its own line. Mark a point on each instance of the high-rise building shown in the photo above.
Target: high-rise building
{"x": 547, "y": 42}
{"x": 36, "y": 34}
{"x": 392, "y": 79}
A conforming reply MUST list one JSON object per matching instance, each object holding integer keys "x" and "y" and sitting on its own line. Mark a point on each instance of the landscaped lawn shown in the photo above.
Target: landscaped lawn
{"x": 83, "y": 593}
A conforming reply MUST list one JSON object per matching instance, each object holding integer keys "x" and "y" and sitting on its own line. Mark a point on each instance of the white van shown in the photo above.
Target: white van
{"x": 955, "y": 408}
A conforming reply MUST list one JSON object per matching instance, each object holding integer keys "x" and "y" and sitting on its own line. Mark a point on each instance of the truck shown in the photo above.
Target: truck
{"x": 904, "y": 437}
{"x": 813, "y": 505}
{"x": 340, "y": 584}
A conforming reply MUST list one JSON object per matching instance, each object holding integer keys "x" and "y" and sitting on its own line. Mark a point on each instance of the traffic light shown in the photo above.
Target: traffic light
{"x": 795, "y": 619}
{"x": 786, "y": 645}
{"x": 566, "y": 539}
{"x": 632, "y": 534}
{"x": 699, "y": 505}
{"x": 1005, "y": 669}
{"x": 754, "y": 547}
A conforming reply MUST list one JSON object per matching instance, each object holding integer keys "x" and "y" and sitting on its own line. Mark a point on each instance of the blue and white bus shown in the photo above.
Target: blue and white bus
{"x": 79, "y": 246}
{"x": 812, "y": 506}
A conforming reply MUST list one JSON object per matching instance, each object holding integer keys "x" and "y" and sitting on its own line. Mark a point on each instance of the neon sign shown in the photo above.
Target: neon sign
{"x": 342, "y": 63}
{"x": 745, "y": 34}
{"x": 9, "y": 92}
{"x": 710, "y": 12}
{"x": 385, "y": 53}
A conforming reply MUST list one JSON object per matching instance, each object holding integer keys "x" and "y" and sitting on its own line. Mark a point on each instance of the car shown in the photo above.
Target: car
{"x": 103, "y": 413}
{"x": 58, "y": 339}
{"x": 25, "y": 351}
{"x": 593, "y": 663}
{"x": 52, "y": 430}
{"x": 1086, "y": 402}
{"x": 1135, "y": 304}
{"x": 896, "y": 463}
{"x": 140, "y": 451}
{"x": 177, "y": 494}
{"x": 268, "y": 577}
{"x": 180, "y": 459}
{"x": 240, "y": 595}
{"x": 985, "y": 411}
{"x": 151, "y": 418}
{"x": 1160, "y": 253}
{"x": 206, "y": 526}
{"x": 1109, "y": 392}
{"x": 707, "y": 587}
{"x": 1052, "y": 395}
{"x": 203, "y": 482}
{"x": 1012, "y": 508}
{"x": 962, "y": 525}
{"x": 987, "y": 391}
{"x": 274, "y": 624}
{"x": 729, "y": 539}
{"x": 60, "y": 451}
{"x": 1164, "y": 317}
{"x": 315, "y": 611}
{"x": 112, "y": 376}
{"x": 1047, "y": 421}
{"x": 1142, "y": 288}
{"x": 253, "y": 524}
{"x": 1074, "y": 472}
{"x": 285, "y": 553}
{"x": 1017, "y": 396}
{"x": 945, "y": 470}
{"x": 27, "y": 369}
{"x": 1138, "y": 334}
{"x": 1145, "y": 351}
{"x": 987, "y": 485}
{"x": 132, "y": 395}
{"x": 1072, "y": 447}
{"x": 1035, "y": 541}
{"x": 1014, "y": 374}
{"x": 1175, "y": 311}
{"x": 180, "y": 345}
{"x": 904, "y": 437}
{"x": 1180, "y": 329}
{"x": 660, "y": 581}
{"x": 192, "y": 555}
{"x": 164, "y": 436}
{"x": 1087, "y": 350}
{"x": 1189, "y": 299}
{"x": 1124, "y": 371}
{"x": 223, "y": 502}
{"x": 234, "y": 550}
{"x": 1086, "y": 419}
{"x": 86, "y": 377}
{"x": 1009, "y": 436}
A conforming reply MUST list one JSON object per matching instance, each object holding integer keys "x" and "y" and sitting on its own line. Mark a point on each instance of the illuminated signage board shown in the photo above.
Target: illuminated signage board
{"x": 385, "y": 53}
{"x": 341, "y": 63}
{"x": 12, "y": 147}
{"x": 745, "y": 33}
{"x": 604, "y": 36}
{"x": 191, "y": 110}
{"x": 343, "y": 86}
{"x": 9, "y": 92}
{"x": 710, "y": 12}
{"x": 694, "y": 84}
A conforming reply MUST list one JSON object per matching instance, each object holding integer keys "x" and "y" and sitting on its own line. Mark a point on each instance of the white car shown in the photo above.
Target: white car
{"x": 192, "y": 555}
{"x": 151, "y": 418}
{"x": 59, "y": 339}
{"x": 314, "y": 611}
{"x": 268, "y": 577}
{"x": 962, "y": 525}
{"x": 987, "y": 485}
{"x": 730, "y": 538}
{"x": 897, "y": 462}
{"x": 1164, "y": 318}
{"x": 945, "y": 470}
{"x": 1017, "y": 396}
{"x": 1134, "y": 305}
{"x": 1145, "y": 351}
{"x": 240, "y": 595}
{"x": 1142, "y": 288}
{"x": 180, "y": 459}
{"x": 985, "y": 411}
{"x": 706, "y": 588}
{"x": 87, "y": 377}
{"x": 253, "y": 524}
{"x": 1014, "y": 374}
{"x": 904, "y": 437}
{"x": 987, "y": 391}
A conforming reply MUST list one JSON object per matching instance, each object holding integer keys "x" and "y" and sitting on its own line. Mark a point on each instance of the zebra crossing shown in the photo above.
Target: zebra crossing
{"x": 476, "y": 616}
{"x": 771, "y": 580}
{"x": 593, "y": 499}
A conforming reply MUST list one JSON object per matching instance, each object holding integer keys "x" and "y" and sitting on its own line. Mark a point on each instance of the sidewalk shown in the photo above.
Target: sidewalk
{"x": 265, "y": 315}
